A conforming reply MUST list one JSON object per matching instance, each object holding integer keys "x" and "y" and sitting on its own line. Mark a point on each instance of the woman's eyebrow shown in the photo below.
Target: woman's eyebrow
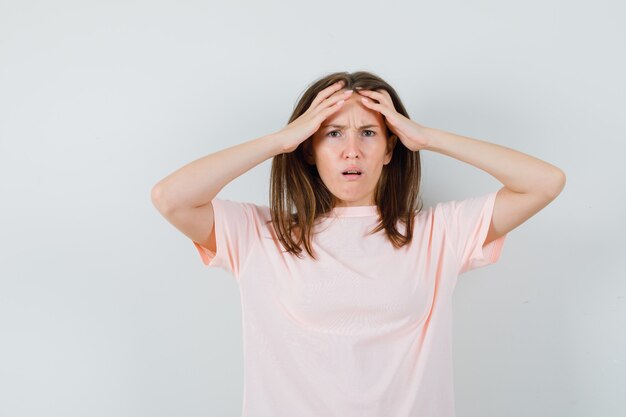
{"x": 342, "y": 126}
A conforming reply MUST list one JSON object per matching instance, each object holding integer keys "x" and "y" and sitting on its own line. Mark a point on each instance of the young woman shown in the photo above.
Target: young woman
{"x": 359, "y": 323}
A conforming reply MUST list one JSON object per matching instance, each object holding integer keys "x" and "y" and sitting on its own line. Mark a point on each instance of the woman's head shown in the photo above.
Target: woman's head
{"x": 354, "y": 137}
{"x": 310, "y": 179}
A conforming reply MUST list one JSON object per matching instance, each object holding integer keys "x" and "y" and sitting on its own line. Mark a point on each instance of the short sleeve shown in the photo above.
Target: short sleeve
{"x": 237, "y": 228}
{"x": 466, "y": 224}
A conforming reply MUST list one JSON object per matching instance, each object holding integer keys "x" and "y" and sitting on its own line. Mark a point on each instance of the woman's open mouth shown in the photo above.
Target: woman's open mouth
{"x": 352, "y": 175}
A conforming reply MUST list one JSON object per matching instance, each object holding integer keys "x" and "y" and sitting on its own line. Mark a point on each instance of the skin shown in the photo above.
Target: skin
{"x": 333, "y": 149}
{"x": 530, "y": 184}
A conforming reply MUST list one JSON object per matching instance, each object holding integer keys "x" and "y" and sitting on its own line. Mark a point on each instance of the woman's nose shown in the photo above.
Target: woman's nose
{"x": 351, "y": 143}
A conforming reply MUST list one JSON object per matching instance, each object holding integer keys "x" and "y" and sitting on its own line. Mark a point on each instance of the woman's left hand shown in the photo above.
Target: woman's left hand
{"x": 410, "y": 133}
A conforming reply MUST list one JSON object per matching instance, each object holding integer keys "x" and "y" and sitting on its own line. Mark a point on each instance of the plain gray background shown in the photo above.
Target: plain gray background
{"x": 107, "y": 310}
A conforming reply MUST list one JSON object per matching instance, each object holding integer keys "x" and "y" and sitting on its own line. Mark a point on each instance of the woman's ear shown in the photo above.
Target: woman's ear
{"x": 391, "y": 143}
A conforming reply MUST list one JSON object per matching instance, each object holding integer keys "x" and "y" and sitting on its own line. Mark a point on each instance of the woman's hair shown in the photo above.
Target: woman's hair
{"x": 296, "y": 184}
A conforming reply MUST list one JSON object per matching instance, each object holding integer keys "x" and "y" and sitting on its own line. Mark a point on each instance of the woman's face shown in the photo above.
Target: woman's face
{"x": 352, "y": 136}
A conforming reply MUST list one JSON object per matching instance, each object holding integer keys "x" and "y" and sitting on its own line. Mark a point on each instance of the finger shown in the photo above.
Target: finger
{"x": 332, "y": 101}
{"x": 388, "y": 112}
{"x": 375, "y": 106}
{"x": 329, "y": 107}
{"x": 325, "y": 93}
{"x": 386, "y": 94}
{"x": 325, "y": 112}
{"x": 376, "y": 95}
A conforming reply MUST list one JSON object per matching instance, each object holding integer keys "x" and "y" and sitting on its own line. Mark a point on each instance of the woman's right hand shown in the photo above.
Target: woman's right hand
{"x": 325, "y": 103}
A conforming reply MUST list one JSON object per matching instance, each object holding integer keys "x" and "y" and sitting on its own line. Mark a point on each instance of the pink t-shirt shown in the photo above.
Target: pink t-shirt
{"x": 365, "y": 331}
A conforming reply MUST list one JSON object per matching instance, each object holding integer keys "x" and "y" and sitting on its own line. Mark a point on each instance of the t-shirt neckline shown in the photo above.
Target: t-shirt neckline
{"x": 354, "y": 211}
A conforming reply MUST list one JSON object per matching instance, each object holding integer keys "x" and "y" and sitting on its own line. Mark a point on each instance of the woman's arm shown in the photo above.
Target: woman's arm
{"x": 530, "y": 184}
{"x": 185, "y": 196}
{"x": 518, "y": 171}
{"x": 198, "y": 182}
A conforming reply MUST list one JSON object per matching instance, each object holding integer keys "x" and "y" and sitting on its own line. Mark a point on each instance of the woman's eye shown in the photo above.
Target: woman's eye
{"x": 336, "y": 131}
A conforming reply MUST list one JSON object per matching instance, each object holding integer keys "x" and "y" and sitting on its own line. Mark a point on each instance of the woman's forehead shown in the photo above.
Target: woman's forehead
{"x": 354, "y": 114}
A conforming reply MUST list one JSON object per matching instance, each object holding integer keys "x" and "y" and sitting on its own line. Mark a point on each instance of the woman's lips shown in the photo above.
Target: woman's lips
{"x": 352, "y": 177}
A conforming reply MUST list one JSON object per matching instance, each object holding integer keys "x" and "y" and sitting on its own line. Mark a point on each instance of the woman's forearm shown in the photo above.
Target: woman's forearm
{"x": 198, "y": 182}
{"x": 518, "y": 171}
